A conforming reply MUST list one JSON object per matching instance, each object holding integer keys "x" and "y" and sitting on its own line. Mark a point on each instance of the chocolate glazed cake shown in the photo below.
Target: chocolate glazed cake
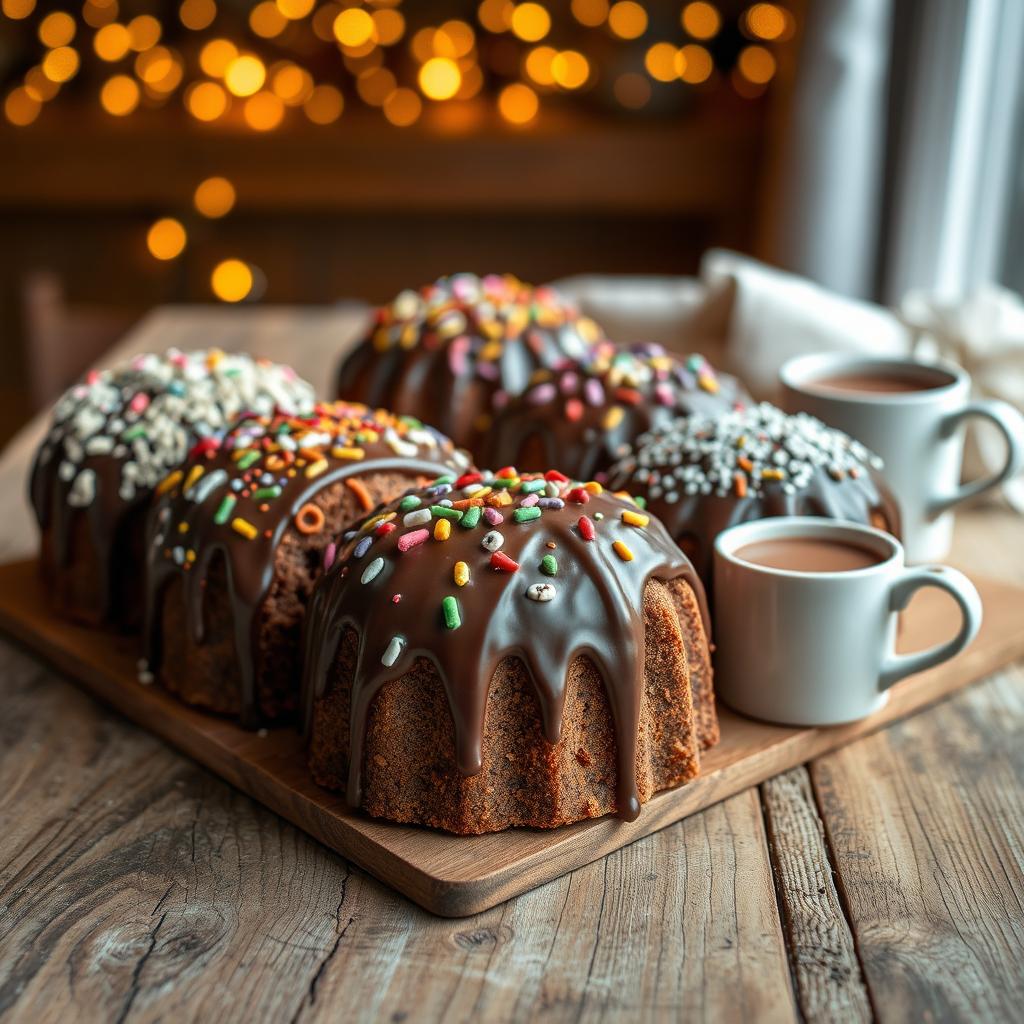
{"x": 114, "y": 437}
{"x": 502, "y": 650}
{"x": 585, "y": 419}
{"x": 701, "y": 476}
{"x": 239, "y": 533}
{"x": 455, "y": 351}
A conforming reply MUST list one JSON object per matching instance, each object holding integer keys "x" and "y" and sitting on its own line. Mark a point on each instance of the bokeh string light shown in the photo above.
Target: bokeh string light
{"x": 269, "y": 65}
{"x": 265, "y": 64}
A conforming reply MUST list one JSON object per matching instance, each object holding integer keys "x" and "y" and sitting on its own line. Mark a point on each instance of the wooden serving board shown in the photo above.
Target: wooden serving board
{"x": 453, "y": 875}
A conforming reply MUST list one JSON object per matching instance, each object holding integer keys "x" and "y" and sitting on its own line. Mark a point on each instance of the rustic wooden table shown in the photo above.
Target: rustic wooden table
{"x": 883, "y": 881}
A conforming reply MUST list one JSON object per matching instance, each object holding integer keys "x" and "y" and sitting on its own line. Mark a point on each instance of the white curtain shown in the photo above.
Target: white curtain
{"x": 901, "y": 147}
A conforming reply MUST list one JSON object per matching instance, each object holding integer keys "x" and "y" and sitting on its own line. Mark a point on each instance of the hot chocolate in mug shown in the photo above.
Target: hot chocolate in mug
{"x": 805, "y": 618}
{"x": 912, "y": 415}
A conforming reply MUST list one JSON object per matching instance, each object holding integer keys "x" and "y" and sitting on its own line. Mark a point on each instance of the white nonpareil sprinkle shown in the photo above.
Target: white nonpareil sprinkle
{"x": 150, "y": 410}
{"x": 372, "y": 571}
{"x": 392, "y": 651}
{"x": 701, "y": 455}
{"x": 492, "y": 540}
{"x": 417, "y": 517}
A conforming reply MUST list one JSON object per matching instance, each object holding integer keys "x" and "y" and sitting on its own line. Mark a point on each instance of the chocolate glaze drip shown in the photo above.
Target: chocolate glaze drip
{"x": 597, "y": 612}
{"x": 415, "y": 361}
{"x": 108, "y": 517}
{"x": 118, "y": 431}
{"x": 249, "y": 559}
{"x": 583, "y": 421}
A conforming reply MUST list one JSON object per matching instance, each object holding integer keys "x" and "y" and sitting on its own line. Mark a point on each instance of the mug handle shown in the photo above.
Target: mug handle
{"x": 1011, "y": 424}
{"x": 898, "y": 666}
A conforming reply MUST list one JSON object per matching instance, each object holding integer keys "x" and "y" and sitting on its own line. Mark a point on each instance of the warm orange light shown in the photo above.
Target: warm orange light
{"x": 354, "y": 27}
{"x": 96, "y": 16}
{"x": 119, "y": 95}
{"x": 216, "y": 55}
{"x": 324, "y": 105}
{"x": 38, "y": 86}
{"x": 495, "y": 15}
{"x": 660, "y": 61}
{"x": 756, "y": 64}
{"x": 570, "y": 69}
{"x": 538, "y": 64}
{"x": 214, "y": 197}
{"x": 632, "y": 90}
{"x": 266, "y": 20}
{"x": 701, "y": 20}
{"x": 422, "y": 45}
{"x": 21, "y": 108}
{"x": 245, "y": 75}
{"x": 590, "y": 12}
{"x": 627, "y": 19}
{"x": 389, "y": 25}
{"x": 169, "y": 80}
{"x": 206, "y": 101}
{"x": 440, "y": 78}
{"x": 57, "y": 29}
{"x": 518, "y": 104}
{"x": 154, "y": 65}
{"x": 231, "y": 280}
{"x": 530, "y": 22}
{"x": 766, "y": 21}
{"x": 18, "y": 9}
{"x": 293, "y": 10}
{"x": 293, "y": 84}
{"x": 61, "y": 64}
{"x": 322, "y": 22}
{"x": 472, "y": 82}
{"x": 263, "y": 111}
{"x": 375, "y": 85}
{"x": 197, "y": 14}
{"x": 694, "y": 64}
{"x": 144, "y": 32}
{"x": 112, "y": 42}
{"x": 166, "y": 238}
{"x": 459, "y": 36}
{"x": 402, "y": 107}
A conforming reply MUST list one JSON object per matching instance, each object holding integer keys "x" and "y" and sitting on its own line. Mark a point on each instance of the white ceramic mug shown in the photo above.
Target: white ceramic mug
{"x": 918, "y": 434}
{"x": 817, "y": 648}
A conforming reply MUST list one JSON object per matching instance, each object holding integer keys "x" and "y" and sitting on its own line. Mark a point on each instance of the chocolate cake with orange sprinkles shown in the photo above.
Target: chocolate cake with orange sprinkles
{"x": 498, "y": 650}
{"x": 455, "y": 351}
{"x": 238, "y": 534}
{"x": 114, "y": 437}
{"x": 702, "y": 475}
{"x": 586, "y": 417}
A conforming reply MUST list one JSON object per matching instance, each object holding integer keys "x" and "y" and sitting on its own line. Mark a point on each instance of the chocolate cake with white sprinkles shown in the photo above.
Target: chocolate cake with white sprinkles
{"x": 701, "y": 475}
{"x": 114, "y": 437}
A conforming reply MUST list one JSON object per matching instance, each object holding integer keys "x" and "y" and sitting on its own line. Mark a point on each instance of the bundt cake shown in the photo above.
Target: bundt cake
{"x": 114, "y": 436}
{"x": 239, "y": 532}
{"x": 701, "y": 475}
{"x": 502, "y": 650}
{"x": 455, "y": 351}
{"x": 584, "y": 419}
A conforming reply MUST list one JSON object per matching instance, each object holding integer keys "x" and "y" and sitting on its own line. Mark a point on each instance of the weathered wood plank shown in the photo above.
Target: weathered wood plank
{"x": 682, "y": 924}
{"x": 821, "y": 947}
{"x": 925, "y": 823}
{"x": 458, "y": 876}
{"x": 133, "y": 885}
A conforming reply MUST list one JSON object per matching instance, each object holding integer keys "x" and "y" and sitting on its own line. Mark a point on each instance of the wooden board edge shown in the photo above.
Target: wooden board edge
{"x": 571, "y": 847}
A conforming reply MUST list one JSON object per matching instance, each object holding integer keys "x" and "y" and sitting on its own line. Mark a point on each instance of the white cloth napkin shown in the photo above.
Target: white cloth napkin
{"x": 985, "y": 335}
{"x": 749, "y": 318}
